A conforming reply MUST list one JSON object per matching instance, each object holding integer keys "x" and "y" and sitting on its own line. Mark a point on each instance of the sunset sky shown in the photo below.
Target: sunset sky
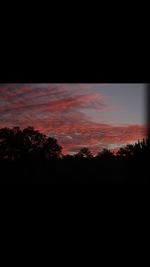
{"x": 78, "y": 115}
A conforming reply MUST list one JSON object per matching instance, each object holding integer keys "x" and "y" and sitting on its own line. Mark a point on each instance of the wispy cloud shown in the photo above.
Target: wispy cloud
{"x": 60, "y": 110}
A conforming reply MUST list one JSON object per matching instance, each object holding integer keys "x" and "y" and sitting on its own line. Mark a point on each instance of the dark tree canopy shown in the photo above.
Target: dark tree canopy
{"x": 84, "y": 153}
{"x": 29, "y": 144}
{"x": 26, "y": 144}
{"x": 105, "y": 153}
{"x": 27, "y": 152}
{"x": 140, "y": 149}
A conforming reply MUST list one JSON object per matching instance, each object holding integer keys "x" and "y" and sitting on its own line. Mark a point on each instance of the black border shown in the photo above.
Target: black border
{"x": 75, "y": 69}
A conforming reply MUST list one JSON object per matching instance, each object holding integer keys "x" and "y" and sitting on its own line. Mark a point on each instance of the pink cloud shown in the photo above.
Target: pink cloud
{"x": 59, "y": 110}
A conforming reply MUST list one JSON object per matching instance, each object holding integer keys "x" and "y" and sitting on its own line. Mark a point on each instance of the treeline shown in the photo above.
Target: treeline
{"x": 30, "y": 144}
{"x": 28, "y": 156}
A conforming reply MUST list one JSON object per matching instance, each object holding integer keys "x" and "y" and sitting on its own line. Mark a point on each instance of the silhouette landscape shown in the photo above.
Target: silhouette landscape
{"x": 79, "y": 134}
{"x": 28, "y": 156}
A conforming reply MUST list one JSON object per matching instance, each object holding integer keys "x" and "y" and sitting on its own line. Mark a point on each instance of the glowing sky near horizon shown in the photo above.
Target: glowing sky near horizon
{"x": 93, "y": 115}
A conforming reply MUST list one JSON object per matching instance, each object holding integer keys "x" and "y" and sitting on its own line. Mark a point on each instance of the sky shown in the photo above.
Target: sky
{"x": 78, "y": 115}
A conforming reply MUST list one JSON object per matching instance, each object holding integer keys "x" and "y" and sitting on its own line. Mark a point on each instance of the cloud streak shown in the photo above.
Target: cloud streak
{"x": 60, "y": 110}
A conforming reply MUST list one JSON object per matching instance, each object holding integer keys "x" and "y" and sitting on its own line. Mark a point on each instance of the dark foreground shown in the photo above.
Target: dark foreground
{"x": 30, "y": 157}
{"x": 75, "y": 171}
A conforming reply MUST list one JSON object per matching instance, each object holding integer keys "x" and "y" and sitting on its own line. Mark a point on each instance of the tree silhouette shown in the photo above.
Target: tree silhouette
{"x": 84, "y": 153}
{"x": 10, "y": 143}
{"x": 68, "y": 157}
{"x": 27, "y": 144}
{"x": 138, "y": 150}
{"x": 33, "y": 152}
{"x": 105, "y": 153}
{"x": 127, "y": 151}
{"x": 52, "y": 149}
